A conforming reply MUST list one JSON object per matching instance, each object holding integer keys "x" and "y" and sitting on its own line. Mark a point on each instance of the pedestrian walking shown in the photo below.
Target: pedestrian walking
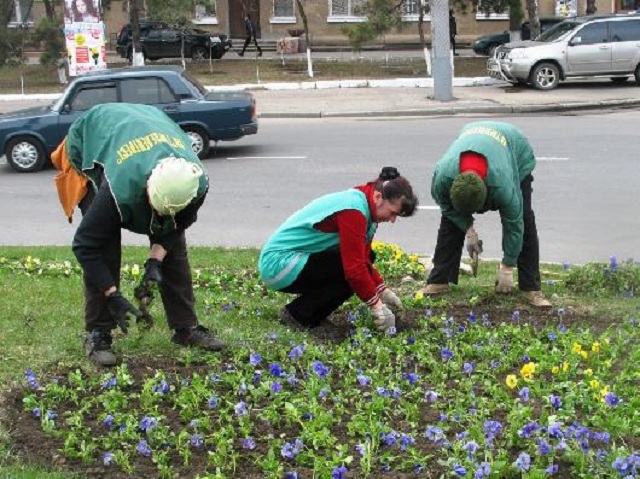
{"x": 488, "y": 168}
{"x": 453, "y": 30}
{"x": 251, "y": 29}
{"x": 322, "y": 253}
{"x": 131, "y": 167}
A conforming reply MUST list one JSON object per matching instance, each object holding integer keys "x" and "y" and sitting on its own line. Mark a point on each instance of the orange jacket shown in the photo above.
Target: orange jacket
{"x": 71, "y": 185}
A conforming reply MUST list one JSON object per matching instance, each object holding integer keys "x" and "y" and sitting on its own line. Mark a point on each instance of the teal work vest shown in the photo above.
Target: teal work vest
{"x": 288, "y": 249}
{"x": 128, "y": 141}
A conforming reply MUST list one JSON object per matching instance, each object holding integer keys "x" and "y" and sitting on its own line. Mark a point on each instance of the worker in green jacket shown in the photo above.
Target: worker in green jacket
{"x": 131, "y": 167}
{"x": 487, "y": 168}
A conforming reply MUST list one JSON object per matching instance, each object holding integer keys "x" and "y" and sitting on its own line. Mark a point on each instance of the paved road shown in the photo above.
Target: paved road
{"x": 583, "y": 193}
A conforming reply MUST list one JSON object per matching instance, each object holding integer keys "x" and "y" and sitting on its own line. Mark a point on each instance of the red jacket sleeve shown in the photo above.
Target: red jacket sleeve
{"x": 362, "y": 277}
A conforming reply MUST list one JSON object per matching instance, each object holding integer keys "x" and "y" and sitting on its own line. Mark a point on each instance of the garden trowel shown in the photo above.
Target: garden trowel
{"x": 475, "y": 259}
{"x": 144, "y": 297}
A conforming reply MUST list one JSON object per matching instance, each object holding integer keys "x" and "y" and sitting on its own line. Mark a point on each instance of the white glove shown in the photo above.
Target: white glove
{"x": 383, "y": 318}
{"x": 474, "y": 244}
{"x": 504, "y": 281}
{"x": 391, "y": 300}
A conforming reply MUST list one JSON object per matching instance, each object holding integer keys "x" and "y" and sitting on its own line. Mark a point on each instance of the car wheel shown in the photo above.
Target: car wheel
{"x": 199, "y": 140}
{"x": 619, "y": 80}
{"x": 491, "y": 49}
{"x": 545, "y": 76}
{"x": 25, "y": 154}
{"x": 637, "y": 74}
{"x": 199, "y": 53}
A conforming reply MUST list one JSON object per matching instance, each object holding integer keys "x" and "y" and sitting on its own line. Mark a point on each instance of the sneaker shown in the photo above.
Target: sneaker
{"x": 240, "y": 54}
{"x": 536, "y": 299}
{"x": 198, "y": 337}
{"x": 260, "y": 53}
{"x": 97, "y": 347}
{"x": 434, "y": 289}
{"x": 288, "y": 320}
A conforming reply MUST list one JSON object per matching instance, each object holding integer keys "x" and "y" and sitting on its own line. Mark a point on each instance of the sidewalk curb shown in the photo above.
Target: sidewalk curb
{"x": 436, "y": 110}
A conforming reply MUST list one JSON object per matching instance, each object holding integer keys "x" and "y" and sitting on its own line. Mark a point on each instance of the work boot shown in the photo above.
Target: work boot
{"x": 97, "y": 346}
{"x": 240, "y": 54}
{"x": 288, "y": 320}
{"x": 259, "y": 53}
{"x": 198, "y": 337}
{"x": 434, "y": 289}
{"x": 536, "y": 299}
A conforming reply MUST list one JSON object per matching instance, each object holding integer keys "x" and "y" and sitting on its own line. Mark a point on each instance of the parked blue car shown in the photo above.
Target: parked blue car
{"x": 28, "y": 137}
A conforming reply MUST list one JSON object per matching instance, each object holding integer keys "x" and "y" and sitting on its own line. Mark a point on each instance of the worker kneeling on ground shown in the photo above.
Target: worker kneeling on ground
{"x": 488, "y": 168}
{"x": 322, "y": 253}
{"x": 130, "y": 166}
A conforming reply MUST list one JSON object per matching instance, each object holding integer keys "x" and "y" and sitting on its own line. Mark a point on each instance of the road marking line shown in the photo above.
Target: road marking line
{"x": 428, "y": 207}
{"x": 266, "y": 158}
{"x": 551, "y": 158}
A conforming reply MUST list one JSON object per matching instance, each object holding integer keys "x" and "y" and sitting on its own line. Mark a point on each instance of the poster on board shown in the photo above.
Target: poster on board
{"x": 84, "y": 36}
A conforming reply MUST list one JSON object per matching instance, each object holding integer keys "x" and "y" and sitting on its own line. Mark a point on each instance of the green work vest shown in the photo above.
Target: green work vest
{"x": 288, "y": 249}
{"x": 510, "y": 159}
{"x": 128, "y": 141}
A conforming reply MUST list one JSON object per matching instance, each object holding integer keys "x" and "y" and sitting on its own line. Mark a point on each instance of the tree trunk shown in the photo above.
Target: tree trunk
{"x": 137, "y": 57}
{"x": 305, "y": 24}
{"x": 515, "y": 19}
{"x": 49, "y": 8}
{"x": 534, "y": 21}
{"x": 591, "y": 7}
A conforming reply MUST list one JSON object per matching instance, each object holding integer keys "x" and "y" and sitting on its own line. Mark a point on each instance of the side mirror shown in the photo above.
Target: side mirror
{"x": 575, "y": 41}
{"x": 66, "y": 108}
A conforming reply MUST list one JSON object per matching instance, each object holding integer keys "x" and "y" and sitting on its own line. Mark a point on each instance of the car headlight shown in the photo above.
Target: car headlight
{"x": 518, "y": 53}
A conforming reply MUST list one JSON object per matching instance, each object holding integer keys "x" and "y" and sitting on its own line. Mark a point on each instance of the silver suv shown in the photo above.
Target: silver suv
{"x": 579, "y": 47}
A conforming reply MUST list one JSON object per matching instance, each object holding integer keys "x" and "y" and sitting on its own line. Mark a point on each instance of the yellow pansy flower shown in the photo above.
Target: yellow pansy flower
{"x": 419, "y": 295}
{"x": 565, "y": 366}
{"x": 594, "y": 384}
{"x": 413, "y": 258}
{"x": 135, "y": 270}
{"x": 595, "y": 347}
{"x": 584, "y": 354}
{"x": 577, "y": 347}
{"x": 555, "y": 370}
{"x": 588, "y": 372}
{"x": 512, "y": 381}
{"x": 604, "y": 391}
{"x": 528, "y": 370}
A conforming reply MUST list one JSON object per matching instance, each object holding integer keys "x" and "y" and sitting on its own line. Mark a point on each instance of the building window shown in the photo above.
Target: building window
{"x": 205, "y": 13}
{"x": 283, "y": 11}
{"x": 21, "y": 13}
{"x": 490, "y": 13}
{"x": 344, "y": 11}
{"x": 411, "y": 11}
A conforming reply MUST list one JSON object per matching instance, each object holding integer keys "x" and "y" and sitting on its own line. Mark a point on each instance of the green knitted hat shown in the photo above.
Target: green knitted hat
{"x": 468, "y": 193}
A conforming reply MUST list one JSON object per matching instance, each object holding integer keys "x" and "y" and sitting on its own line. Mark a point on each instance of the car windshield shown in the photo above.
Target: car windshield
{"x": 557, "y": 31}
{"x": 194, "y": 85}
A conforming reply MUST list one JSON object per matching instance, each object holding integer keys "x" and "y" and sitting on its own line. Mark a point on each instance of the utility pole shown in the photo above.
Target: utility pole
{"x": 441, "y": 47}
{"x": 137, "y": 57}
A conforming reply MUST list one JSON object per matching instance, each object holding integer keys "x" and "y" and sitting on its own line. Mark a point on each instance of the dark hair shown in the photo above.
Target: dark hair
{"x": 393, "y": 186}
{"x": 77, "y": 16}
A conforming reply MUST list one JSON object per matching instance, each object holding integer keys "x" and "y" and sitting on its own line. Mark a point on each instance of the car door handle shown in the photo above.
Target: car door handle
{"x": 170, "y": 109}
{"x": 604, "y": 47}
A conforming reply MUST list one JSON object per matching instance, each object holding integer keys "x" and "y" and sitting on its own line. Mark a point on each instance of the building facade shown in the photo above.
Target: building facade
{"x": 326, "y": 18}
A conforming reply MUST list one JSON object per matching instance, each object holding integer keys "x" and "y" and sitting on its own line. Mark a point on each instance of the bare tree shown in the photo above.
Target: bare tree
{"x": 305, "y": 24}
{"x": 534, "y": 20}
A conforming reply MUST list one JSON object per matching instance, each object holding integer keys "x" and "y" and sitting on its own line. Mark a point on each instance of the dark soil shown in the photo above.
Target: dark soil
{"x": 32, "y": 446}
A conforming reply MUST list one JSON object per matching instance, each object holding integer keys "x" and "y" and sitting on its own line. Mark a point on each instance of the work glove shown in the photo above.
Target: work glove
{"x": 504, "y": 281}
{"x": 383, "y": 318}
{"x": 119, "y": 309}
{"x": 474, "y": 244}
{"x": 391, "y": 300}
{"x": 151, "y": 278}
{"x": 152, "y": 273}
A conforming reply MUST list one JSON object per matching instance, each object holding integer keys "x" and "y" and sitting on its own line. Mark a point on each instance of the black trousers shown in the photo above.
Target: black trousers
{"x": 255, "y": 42}
{"x": 176, "y": 290}
{"x": 321, "y": 288}
{"x": 448, "y": 253}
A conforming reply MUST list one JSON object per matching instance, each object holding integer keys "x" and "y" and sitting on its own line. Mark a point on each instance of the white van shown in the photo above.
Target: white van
{"x": 580, "y": 47}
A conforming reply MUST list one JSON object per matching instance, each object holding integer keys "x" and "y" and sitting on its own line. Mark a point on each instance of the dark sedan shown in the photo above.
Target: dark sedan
{"x": 486, "y": 44}
{"x": 27, "y": 137}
